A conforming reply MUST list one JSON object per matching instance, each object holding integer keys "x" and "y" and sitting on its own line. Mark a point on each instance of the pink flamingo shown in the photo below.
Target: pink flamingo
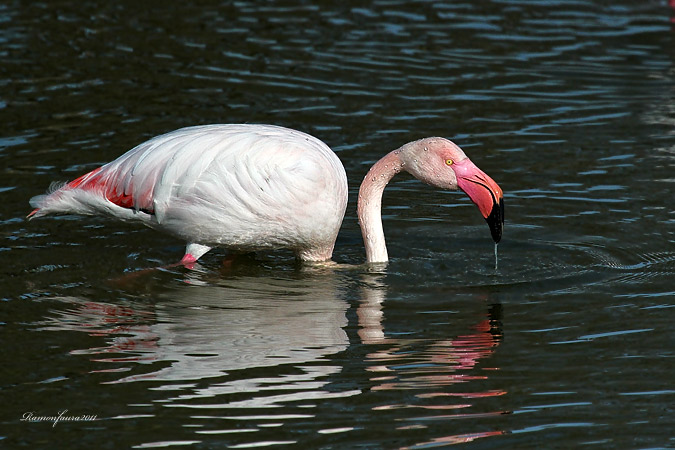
{"x": 260, "y": 187}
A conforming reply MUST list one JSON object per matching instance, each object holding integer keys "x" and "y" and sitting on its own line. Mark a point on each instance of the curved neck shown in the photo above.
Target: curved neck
{"x": 370, "y": 205}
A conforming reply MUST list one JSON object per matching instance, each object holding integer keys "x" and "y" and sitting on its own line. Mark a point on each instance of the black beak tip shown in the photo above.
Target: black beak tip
{"x": 496, "y": 221}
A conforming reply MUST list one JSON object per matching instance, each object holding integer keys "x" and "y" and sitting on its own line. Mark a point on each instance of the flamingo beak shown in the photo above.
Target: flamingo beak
{"x": 484, "y": 192}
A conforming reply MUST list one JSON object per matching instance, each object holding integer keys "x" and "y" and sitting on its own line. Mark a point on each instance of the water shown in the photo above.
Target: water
{"x": 569, "y": 343}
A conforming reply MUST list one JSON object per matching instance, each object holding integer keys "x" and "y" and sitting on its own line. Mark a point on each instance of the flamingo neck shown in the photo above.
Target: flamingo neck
{"x": 370, "y": 205}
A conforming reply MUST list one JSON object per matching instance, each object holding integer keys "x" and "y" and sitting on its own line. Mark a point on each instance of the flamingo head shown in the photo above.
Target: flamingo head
{"x": 440, "y": 163}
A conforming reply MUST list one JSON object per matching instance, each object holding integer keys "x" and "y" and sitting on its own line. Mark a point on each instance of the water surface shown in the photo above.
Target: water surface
{"x": 569, "y": 106}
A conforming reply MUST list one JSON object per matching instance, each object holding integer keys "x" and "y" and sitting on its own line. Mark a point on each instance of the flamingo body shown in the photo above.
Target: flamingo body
{"x": 243, "y": 187}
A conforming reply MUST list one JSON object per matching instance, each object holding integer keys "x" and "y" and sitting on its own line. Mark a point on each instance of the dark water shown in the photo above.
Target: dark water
{"x": 568, "y": 105}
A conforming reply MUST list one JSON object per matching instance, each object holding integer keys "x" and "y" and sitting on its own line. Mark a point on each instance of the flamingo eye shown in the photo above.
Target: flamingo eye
{"x": 449, "y": 162}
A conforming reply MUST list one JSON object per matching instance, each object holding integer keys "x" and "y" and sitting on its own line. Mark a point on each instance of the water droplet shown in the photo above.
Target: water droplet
{"x": 426, "y": 149}
{"x": 495, "y": 256}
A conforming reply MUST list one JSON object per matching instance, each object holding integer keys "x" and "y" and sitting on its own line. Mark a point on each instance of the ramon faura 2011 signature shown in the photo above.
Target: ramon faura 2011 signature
{"x": 62, "y": 416}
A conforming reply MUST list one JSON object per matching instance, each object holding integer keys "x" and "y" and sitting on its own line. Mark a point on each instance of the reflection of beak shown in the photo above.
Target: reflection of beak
{"x": 484, "y": 192}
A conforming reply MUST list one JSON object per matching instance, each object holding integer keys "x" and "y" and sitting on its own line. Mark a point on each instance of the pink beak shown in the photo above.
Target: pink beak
{"x": 484, "y": 192}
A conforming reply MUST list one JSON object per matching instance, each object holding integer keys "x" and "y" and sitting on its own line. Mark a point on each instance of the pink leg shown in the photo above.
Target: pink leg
{"x": 188, "y": 261}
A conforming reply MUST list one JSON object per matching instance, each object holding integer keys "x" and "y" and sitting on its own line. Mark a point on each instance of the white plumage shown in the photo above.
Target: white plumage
{"x": 243, "y": 187}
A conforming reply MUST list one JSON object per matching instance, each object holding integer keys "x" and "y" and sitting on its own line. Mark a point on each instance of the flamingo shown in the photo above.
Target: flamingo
{"x": 260, "y": 187}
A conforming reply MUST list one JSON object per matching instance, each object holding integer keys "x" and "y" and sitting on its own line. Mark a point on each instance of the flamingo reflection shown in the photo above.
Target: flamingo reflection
{"x": 220, "y": 332}
{"x": 436, "y": 368}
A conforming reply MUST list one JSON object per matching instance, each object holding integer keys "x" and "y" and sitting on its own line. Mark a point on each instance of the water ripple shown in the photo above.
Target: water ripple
{"x": 567, "y": 104}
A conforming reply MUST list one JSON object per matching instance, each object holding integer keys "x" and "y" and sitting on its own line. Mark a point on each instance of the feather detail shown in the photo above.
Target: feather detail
{"x": 55, "y": 186}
